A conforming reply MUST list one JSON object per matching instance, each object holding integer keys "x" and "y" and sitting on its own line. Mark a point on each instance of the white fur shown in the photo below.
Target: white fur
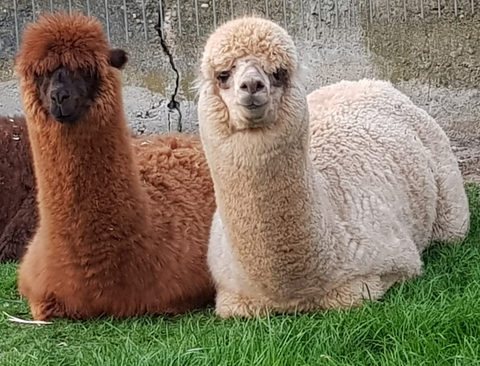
{"x": 387, "y": 182}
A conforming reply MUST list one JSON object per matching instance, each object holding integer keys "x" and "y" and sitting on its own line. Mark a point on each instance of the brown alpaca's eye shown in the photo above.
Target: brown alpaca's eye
{"x": 280, "y": 77}
{"x": 38, "y": 79}
{"x": 223, "y": 78}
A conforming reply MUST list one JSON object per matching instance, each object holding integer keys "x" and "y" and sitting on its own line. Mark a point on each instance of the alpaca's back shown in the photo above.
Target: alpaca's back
{"x": 165, "y": 274}
{"x": 175, "y": 174}
{"x": 387, "y": 164}
{"x": 18, "y": 211}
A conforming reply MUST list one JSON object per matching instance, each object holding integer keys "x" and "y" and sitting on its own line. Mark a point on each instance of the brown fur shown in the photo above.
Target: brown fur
{"x": 124, "y": 223}
{"x": 18, "y": 211}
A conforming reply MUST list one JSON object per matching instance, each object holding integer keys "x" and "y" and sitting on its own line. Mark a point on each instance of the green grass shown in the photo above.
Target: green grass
{"x": 432, "y": 320}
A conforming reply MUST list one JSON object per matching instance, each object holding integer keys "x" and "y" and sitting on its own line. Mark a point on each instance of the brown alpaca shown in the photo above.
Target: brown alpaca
{"x": 124, "y": 223}
{"x": 18, "y": 211}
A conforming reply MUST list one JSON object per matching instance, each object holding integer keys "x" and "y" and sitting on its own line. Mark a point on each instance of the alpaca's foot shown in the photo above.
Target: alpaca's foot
{"x": 234, "y": 305}
{"x": 354, "y": 293}
{"x": 46, "y": 310}
{"x": 348, "y": 295}
{"x": 39, "y": 311}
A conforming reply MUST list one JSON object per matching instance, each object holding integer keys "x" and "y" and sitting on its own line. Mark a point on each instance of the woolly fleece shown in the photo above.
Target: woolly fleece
{"x": 124, "y": 223}
{"x": 18, "y": 211}
{"x": 335, "y": 200}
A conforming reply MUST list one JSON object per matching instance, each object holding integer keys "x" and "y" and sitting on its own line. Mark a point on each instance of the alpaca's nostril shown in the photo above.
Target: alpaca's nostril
{"x": 260, "y": 86}
{"x": 59, "y": 96}
{"x": 252, "y": 86}
{"x": 63, "y": 95}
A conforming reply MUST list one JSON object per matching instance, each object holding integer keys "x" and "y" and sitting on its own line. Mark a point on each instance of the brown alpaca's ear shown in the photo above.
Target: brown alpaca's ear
{"x": 118, "y": 58}
{"x": 16, "y": 57}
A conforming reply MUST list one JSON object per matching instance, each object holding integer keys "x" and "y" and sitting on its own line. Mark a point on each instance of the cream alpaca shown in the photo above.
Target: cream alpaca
{"x": 320, "y": 214}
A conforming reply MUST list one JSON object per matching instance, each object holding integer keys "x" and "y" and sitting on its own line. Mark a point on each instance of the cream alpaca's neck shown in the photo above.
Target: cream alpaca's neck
{"x": 88, "y": 184}
{"x": 271, "y": 207}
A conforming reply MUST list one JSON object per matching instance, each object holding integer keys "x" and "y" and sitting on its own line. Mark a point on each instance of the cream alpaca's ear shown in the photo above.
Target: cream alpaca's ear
{"x": 118, "y": 58}
{"x": 197, "y": 85}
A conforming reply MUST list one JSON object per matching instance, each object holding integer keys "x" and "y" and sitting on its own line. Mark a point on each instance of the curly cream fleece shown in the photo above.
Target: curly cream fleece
{"x": 332, "y": 203}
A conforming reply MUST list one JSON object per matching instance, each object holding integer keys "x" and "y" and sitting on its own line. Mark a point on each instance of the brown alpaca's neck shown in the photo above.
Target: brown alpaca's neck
{"x": 88, "y": 185}
{"x": 270, "y": 204}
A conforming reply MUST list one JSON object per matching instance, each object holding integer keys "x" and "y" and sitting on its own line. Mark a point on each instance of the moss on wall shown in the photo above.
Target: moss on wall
{"x": 439, "y": 52}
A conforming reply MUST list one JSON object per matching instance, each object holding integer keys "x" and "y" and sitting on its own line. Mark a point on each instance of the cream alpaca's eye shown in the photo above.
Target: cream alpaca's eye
{"x": 223, "y": 78}
{"x": 280, "y": 77}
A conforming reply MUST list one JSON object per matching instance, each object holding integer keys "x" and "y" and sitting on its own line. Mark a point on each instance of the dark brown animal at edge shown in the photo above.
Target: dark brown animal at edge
{"x": 124, "y": 223}
{"x": 18, "y": 210}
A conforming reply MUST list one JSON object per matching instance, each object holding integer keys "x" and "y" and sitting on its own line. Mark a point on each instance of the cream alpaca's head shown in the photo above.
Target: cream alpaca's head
{"x": 251, "y": 80}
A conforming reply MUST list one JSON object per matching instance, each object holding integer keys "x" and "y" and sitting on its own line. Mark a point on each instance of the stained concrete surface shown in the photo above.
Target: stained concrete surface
{"x": 431, "y": 53}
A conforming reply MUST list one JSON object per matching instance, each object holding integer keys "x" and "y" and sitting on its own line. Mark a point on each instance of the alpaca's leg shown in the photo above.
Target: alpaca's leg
{"x": 31, "y": 280}
{"x": 29, "y": 270}
{"x": 348, "y": 295}
{"x": 40, "y": 310}
{"x": 48, "y": 308}
{"x": 353, "y": 293}
{"x": 229, "y": 304}
{"x": 453, "y": 215}
{"x": 399, "y": 265}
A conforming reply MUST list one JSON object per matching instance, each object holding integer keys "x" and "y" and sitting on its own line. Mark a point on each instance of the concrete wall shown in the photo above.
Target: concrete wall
{"x": 430, "y": 53}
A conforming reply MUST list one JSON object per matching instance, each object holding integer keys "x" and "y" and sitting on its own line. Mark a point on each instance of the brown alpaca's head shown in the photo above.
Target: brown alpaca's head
{"x": 250, "y": 76}
{"x": 67, "y": 68}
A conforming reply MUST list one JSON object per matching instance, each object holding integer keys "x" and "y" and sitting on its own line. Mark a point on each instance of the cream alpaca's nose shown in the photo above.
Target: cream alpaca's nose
{"x": 252, "y": 89}
{"x": 252, "y": 85}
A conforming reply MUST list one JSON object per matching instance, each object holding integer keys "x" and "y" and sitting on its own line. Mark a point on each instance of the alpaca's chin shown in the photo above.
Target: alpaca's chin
{"x": 251, "y": 118}
{"x": 63, "y": 115}
{"x": 69, "y": 119}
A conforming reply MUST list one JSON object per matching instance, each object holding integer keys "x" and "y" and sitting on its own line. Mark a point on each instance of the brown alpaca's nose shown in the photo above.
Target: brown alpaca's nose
{"x": 252, "y": 85}
{"x": 59, "y": 96}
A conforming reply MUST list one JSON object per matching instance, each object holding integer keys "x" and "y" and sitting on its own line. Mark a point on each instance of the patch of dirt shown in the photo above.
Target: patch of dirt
{"x": 467, "y": 151}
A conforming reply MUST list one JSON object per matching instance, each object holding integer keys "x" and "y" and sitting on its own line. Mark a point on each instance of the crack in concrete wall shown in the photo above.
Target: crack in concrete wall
{"x": 429, "y": 52}
{"x": 173, "y": 104}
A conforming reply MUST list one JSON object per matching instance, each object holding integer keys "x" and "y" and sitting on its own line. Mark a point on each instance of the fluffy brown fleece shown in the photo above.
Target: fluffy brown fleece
{"x": 18, "y": 211}
{"x": 124, "y": 223}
